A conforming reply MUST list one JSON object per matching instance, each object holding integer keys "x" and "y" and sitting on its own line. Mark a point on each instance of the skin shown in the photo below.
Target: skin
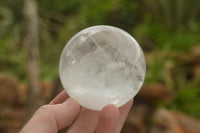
{"x": 62, "y": 111}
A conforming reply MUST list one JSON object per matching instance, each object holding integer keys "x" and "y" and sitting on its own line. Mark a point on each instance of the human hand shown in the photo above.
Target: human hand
{"x": 62, "y": 111}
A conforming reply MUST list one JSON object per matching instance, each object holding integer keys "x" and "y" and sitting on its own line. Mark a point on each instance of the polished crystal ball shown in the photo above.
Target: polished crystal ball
{"x": 102, "y": 65}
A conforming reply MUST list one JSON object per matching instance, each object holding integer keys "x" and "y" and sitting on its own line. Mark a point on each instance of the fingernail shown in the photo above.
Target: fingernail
{"x": 69, "y": 101}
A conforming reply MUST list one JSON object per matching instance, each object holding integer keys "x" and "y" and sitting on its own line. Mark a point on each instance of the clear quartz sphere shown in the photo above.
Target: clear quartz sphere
{"x": 102, "y": 65}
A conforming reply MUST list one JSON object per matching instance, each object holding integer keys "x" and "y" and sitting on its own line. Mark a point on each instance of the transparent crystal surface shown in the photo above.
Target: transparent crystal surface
{"x": 102, "y": 65}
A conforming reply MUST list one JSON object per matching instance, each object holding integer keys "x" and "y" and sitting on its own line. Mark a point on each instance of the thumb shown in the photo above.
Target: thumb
{"x": 51, "y": 118}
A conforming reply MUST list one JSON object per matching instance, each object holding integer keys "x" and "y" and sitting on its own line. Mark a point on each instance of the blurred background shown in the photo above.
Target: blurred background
{"x": 34, "y": 32}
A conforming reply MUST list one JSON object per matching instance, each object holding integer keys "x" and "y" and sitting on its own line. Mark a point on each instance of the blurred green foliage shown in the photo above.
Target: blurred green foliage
{"x": 187, "y": 100}
{"x": 164, "y": 38}
{"x": 159, "y": 26}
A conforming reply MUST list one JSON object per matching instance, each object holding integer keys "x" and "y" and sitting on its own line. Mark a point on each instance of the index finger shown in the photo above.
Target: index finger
{"x": 124, "y": 112}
